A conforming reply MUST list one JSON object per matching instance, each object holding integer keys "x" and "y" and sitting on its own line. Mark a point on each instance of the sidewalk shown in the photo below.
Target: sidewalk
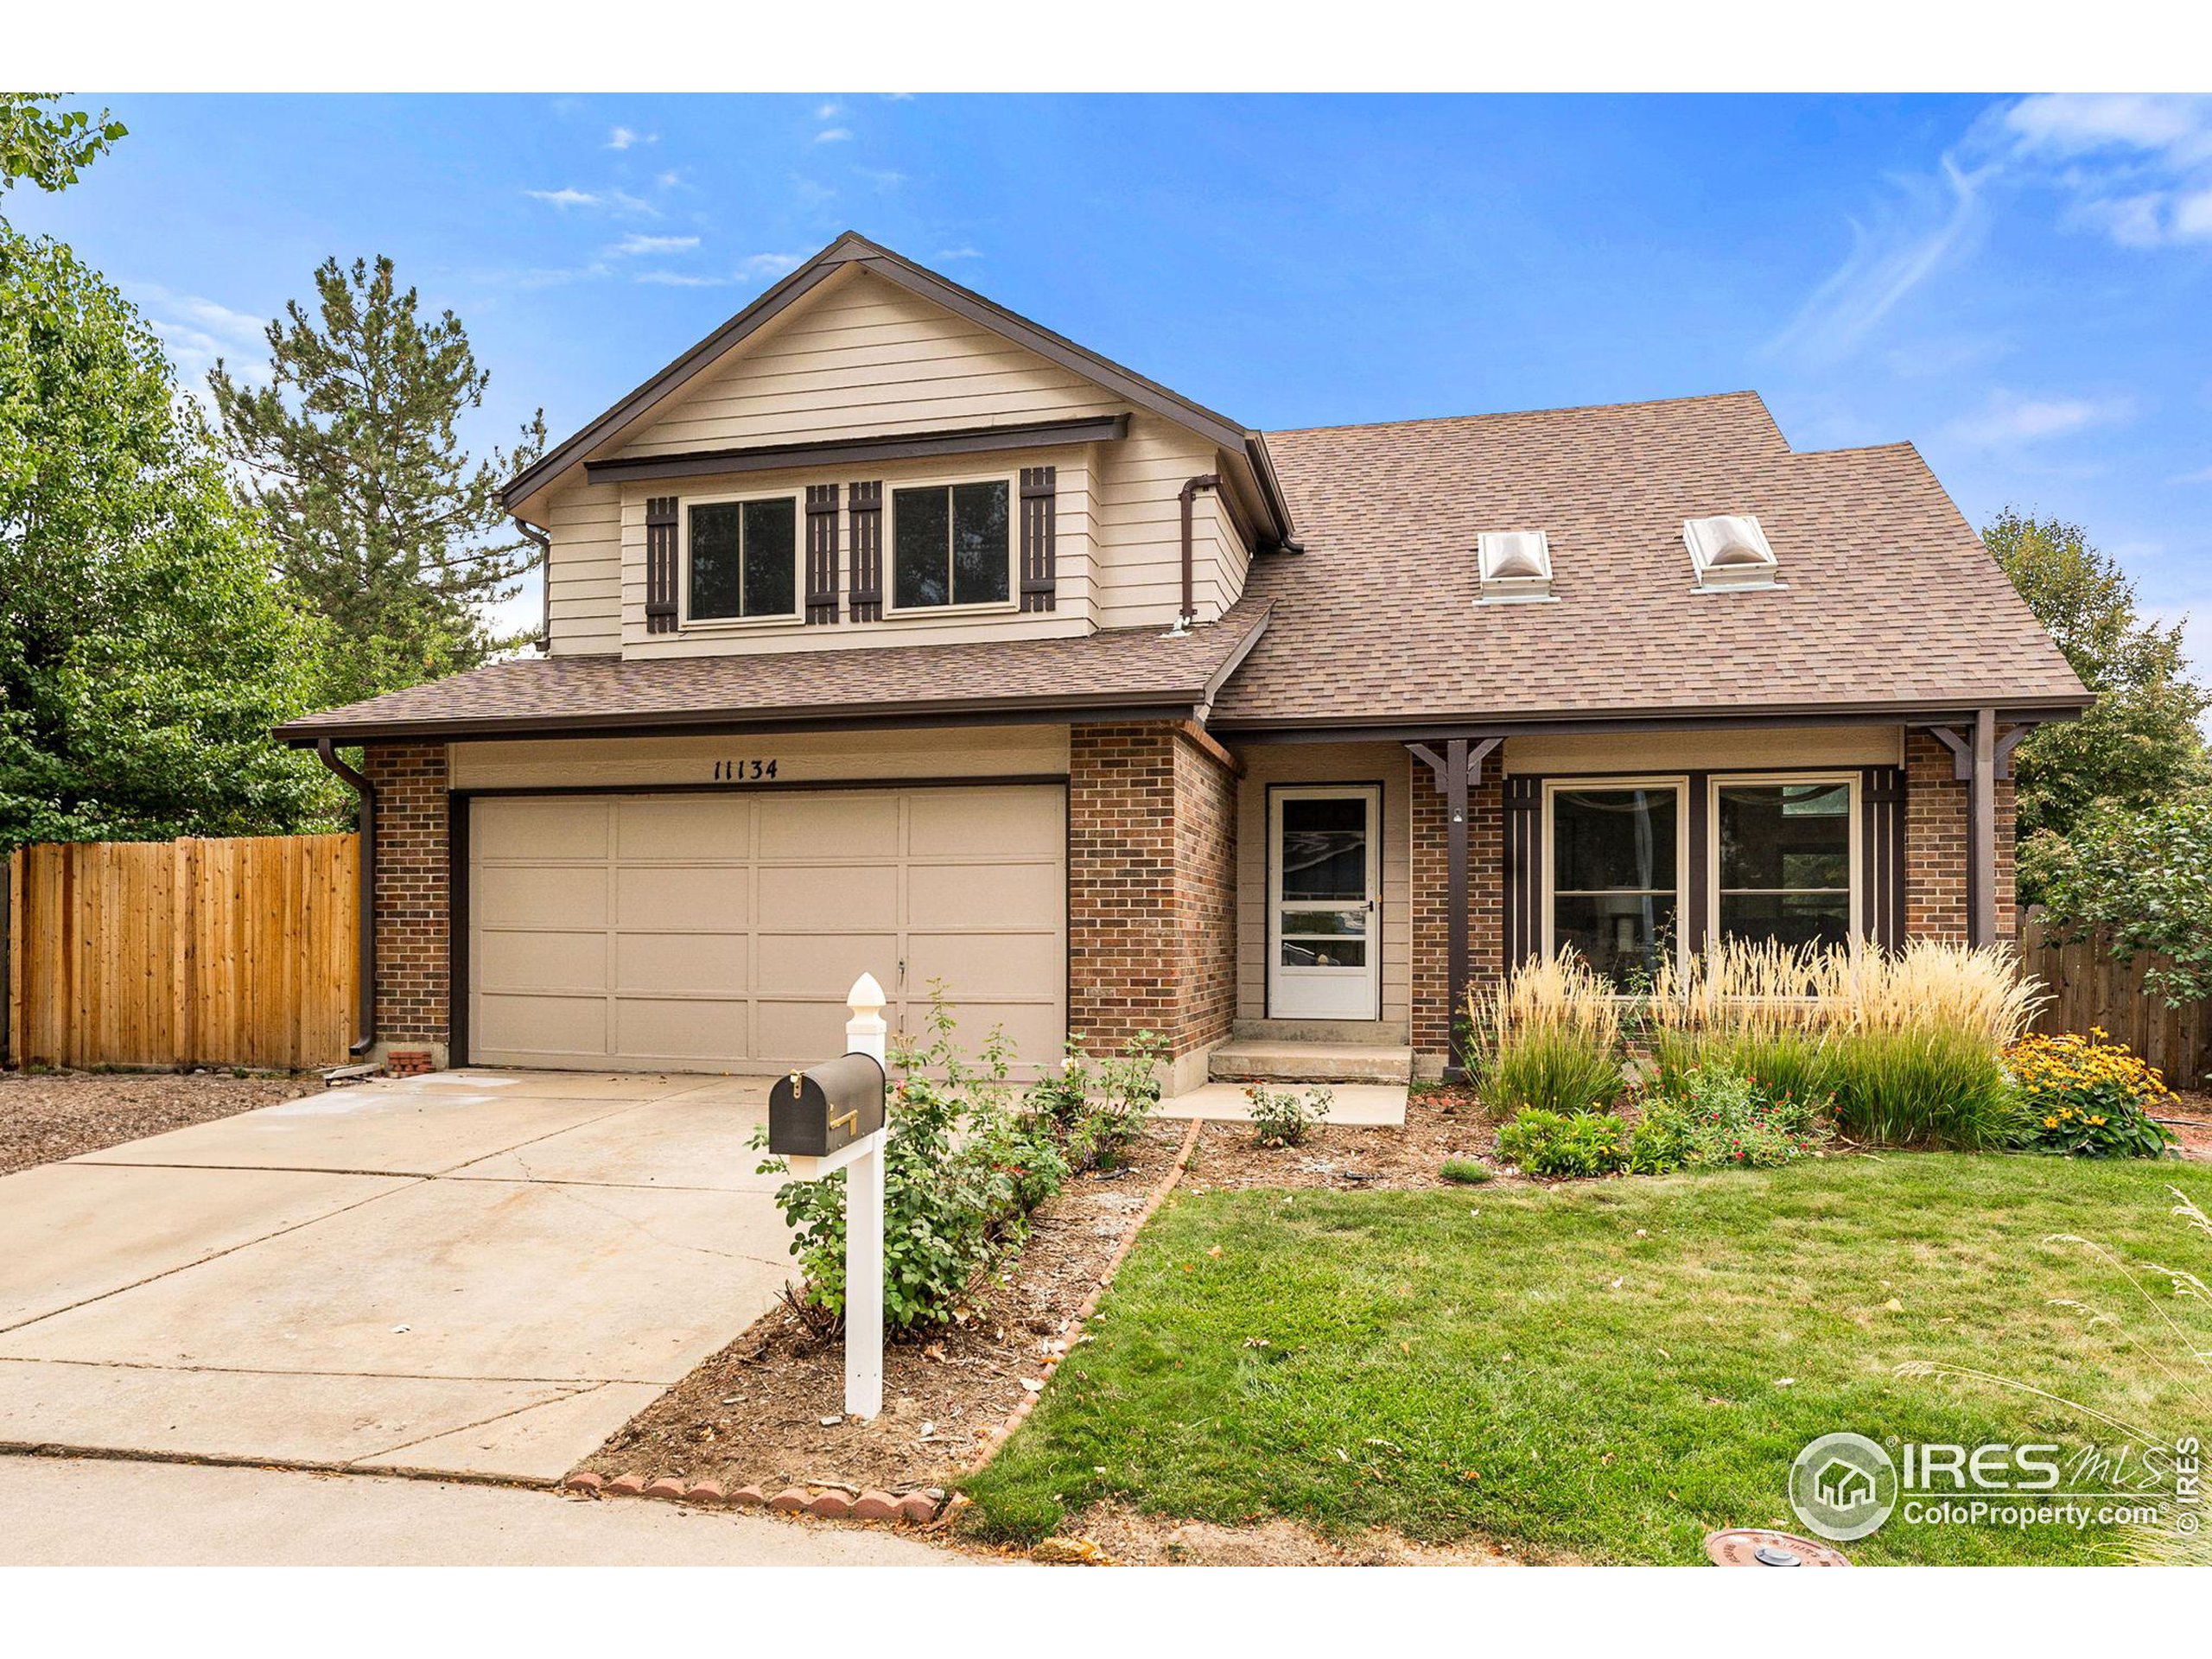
{"x": 66, "y": 1511}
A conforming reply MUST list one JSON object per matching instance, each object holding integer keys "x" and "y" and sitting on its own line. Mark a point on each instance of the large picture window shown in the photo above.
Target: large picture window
{"x": 951, "y": 545}
{"x": 744, "y": 560}
{"x": 1784, "y": 861}
{"x": 1616, "y": 876}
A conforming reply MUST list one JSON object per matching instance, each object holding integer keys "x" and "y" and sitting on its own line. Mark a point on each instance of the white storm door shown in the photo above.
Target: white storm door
{"x": 1325, "y": 902}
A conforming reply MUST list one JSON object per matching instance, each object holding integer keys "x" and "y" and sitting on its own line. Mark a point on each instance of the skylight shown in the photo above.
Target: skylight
{"x": 1730, "y": 551}
{"x": 1517, "y": 564}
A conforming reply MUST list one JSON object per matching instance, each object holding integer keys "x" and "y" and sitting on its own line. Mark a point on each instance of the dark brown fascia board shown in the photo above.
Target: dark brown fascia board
{"x": 901, "y": 446}
{"x": 1441, "y": 729}
{"x": 1092, "y": 709}
{"x": 851, "y": 248}
{"x": 1234, "y": 660}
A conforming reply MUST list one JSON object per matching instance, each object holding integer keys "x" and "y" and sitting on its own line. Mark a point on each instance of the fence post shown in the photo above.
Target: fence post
{"x": 8, "y": 890}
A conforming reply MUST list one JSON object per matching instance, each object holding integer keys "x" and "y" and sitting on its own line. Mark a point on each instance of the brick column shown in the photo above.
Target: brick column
{"x": 413, "y": 895}
{"x": 1152, "y": 887}
{"x": 1935, "y": 846}
{"x": 1433, "y": 1014}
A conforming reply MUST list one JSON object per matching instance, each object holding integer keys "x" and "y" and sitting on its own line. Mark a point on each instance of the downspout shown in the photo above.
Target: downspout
{"x": 1189, "y": 493}
{"x": 366, "y": 967}
{"x": 543, "y": 543}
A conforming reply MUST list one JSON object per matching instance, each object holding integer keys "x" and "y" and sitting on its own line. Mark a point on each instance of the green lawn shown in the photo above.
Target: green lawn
{"x": 1597, "y": 1370}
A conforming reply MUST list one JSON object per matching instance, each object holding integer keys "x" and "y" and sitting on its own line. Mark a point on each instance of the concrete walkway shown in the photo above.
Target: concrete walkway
{"x": 1354, "y": 1105}
{"x": 64, "y": 1512}
{"x": 471, "y": 1272}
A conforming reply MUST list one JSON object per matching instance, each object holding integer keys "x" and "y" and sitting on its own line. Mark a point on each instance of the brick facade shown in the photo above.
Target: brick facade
{"x": 1935, "y": 846}
{"x": 1152, "y": 887}
{"x": 1433, "y": 1015}
{"x": 413, "y": 896}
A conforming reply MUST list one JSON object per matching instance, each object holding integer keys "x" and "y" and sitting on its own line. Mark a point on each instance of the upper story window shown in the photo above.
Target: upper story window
{"x": 952, "y": 544}
{"x": 743, "y": 562}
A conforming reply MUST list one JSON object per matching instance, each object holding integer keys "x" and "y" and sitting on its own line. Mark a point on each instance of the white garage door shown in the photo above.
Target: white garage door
{"x": 718, "y": 932}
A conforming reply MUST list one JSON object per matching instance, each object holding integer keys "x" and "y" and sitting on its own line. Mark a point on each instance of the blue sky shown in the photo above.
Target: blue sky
{"x": 2021, "y": 286}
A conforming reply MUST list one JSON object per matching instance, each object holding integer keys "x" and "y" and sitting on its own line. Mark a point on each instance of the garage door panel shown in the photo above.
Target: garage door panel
{"x": 551, "y": 1025}
{"x": 538, "y": 830}
{"x": 543, "y": 961}
{"x": 790, "y": 1034}
{"x": 547, "y": 895}
{"x": 687, "y": 896}
{"x": 986, "y": 964}
{"x": 722, "y": 933}
{"x": 851, "y": 824}
{"x": 711, "y": 962}
{"x": 824, "y": 964}
{"x": 683, "y": 826}
{"x": 956, "y": 895}
{"x": 682, "y": 1028}
{"x": 985, "y": 823}
{"x": 817, "y": 896}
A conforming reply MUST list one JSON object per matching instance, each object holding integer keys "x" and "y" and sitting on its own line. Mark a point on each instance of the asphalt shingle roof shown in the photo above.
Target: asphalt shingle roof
{"x": 1889, "y": 596}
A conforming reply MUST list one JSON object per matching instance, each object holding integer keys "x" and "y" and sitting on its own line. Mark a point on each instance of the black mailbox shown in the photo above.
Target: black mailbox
{"x": 826, "y": 1108}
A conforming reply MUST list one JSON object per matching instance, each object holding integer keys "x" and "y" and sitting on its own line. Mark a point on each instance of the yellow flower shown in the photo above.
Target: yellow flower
{"x": 2050, "y": 1122}
{"x": 2099, "y": 1122}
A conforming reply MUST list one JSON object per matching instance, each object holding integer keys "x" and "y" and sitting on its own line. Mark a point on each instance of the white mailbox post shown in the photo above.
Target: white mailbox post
{"x": 862, "y": 1162}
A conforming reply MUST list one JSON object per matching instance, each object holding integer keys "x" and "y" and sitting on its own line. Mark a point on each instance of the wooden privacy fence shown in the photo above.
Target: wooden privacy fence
{"x": 2088, "y": 986}
{"x": 236, "y": 952}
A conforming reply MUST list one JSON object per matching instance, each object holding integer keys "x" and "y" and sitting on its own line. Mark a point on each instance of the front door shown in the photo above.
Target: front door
{"x": 1325, "y": 902}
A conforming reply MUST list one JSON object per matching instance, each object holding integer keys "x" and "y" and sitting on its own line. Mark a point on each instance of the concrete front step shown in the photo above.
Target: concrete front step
{"x": 1250, "y": 1060}
{"x": 1345, "y": 1033}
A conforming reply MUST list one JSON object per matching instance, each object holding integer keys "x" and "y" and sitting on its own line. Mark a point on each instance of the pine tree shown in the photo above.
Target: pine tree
{"x": 385, "y": 525}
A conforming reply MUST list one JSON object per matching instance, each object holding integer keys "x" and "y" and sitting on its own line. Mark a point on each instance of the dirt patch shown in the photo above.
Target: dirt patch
{"x": 1127, "y": 1538}
{"x": 2188, "y": 1114}
{"x": 753, "y": 1413}
{"x": 45, "y": 1117}
{"x": 1439, "y": 1124}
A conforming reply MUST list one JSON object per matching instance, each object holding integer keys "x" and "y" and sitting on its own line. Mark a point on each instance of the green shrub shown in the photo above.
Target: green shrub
{"x": 962, "y": 1171}
{"x": 1786, "y": 1061}
{"x": 1286, "y": 1119}
{"x": 1097, "y": 1109}
{"x": 1546, "y": 1037}
{"x": 1547, "y": 1143}
{"x": 1932, "y": 1087}
{"x": 1720, "y": 1119}
{"x": 2083, "y": 1097}
{"x": 1467, "y": 1172}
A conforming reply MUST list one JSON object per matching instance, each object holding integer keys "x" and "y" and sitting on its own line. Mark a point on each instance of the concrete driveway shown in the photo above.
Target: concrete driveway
{"x": 475, "y": 1272}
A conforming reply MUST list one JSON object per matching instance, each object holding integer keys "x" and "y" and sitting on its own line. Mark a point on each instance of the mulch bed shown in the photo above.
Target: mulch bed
{"x": 1125, "y": 1537}
{"x": 1439, "y": 1124}
{"x": 45, "y": 1117}
{"x": 2189, "y": 1115}
{"x": 753, "y": 1413}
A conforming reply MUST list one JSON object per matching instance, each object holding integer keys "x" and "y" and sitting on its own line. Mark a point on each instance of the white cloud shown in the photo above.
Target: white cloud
{"x": 960, "y": 253}
{"x": 1937, "y": 220}
{"x": 2138, "y": 169}
{"x": 195, "y": 331}
{"x": 834, "y": 135}
{"x": 771, "y": 264}
{"x": 619, "y": 201}
{"x": 828, "y": 111}
{"x": 536, "y": 276}
{"x": 624, "y": 137}
{"x": 2010, "y": 419}
{"x": 669, "y": 179}
{"x": 882, "y": 178}
{"x": 682, "y": 279}
{"x": 2201, "y": 475}
{"x": 636, "y": 243}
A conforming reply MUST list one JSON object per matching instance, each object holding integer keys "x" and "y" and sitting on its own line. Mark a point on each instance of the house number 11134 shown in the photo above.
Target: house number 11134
{"x": 744, "y": 772}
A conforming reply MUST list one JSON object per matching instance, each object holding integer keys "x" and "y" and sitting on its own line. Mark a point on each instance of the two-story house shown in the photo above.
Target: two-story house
{"x": 889, "y": 630}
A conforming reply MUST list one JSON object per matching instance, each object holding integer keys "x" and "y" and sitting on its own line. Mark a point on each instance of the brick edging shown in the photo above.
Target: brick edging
{"x": 918, "y": 1507}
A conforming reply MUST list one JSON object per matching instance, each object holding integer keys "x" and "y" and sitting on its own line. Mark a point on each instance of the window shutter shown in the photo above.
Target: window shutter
{"x": 1881, "y": 805}
{"x": 1524, "y": 870}
{"x": 1039, "y": 560}
{"x": 867, "y": 552}
{"x": 660, "y": 564}
{"x": 821, "y": 553}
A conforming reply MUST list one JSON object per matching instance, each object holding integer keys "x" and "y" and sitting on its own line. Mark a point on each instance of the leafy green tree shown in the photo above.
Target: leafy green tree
{"x": 2142, "y": 743}
{"x": 2145, "y": 874}
{"x": 352, "y": 452}
{"x": 146, "y": 644}
{"x": 45, "y": 146}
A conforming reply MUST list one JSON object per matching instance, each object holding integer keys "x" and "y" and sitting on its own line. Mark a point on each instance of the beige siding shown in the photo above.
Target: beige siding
{"x": 801, "y": 758}
{"x": 1793, "y": 747}
{"x": 585, "y": 522}
{"x": 1323, "y": 763}
{"x": 863, "y": 355}
{"x": 1140, "y": 529}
